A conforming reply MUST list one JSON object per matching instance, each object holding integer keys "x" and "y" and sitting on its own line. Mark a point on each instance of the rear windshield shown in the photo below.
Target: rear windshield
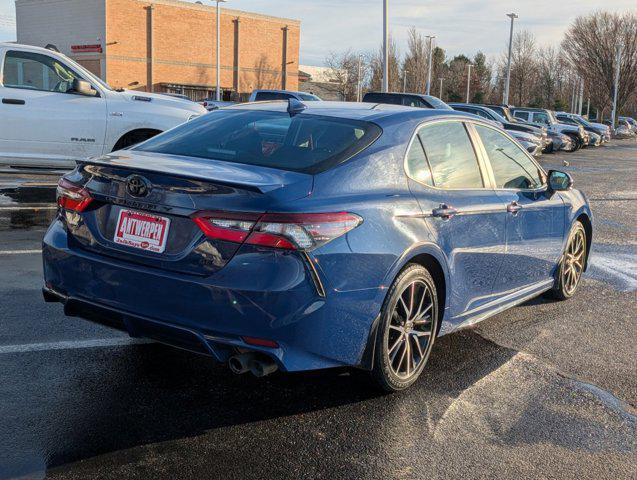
{"x": 302, "y": 143}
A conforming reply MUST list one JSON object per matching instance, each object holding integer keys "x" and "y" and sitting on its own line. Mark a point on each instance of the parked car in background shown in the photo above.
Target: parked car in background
{"x": 406, "y": 99}
{"x": 597, "y": 130}
{"x": 54, "y": 112}
{"x": 551, "y": 139}
{"x": 267, "y": 95}
{"x": 531, "y": 137}
{"x": 212, "y": 104}
{"x": 631, "y": 121}
{"x": 544, "y": 117}
{"x": 271, "y": 235}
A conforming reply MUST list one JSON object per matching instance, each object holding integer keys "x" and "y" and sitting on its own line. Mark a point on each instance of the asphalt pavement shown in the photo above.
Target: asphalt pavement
{"x": 545, "y": 390}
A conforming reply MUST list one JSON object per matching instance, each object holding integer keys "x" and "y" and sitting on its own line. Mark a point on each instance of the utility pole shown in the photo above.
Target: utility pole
{"x": 359, "y": 86}
{"x": 218, "y": 88}
{"x": 618, "y": 58}
{"x": 385, "y": 86}
{"x": 581, "y": 97}
{"x": 469, "y": 81}
{"x": 505, "y": 100}
{"x": 431, "y": 52}
{"x": 440, "y": 96}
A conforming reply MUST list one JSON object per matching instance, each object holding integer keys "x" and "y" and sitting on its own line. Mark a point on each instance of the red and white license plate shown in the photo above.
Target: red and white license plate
{"x": 142, "y": 230}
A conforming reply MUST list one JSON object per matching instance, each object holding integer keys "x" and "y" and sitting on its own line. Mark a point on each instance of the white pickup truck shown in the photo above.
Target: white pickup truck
{"x": 54, "y": 112}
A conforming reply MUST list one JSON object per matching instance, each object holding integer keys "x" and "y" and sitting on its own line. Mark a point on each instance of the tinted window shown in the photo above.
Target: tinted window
{"x": 541, "y": 117}
{"x": 416, "y": 165}
{"x": 303, "y": 143}
{"x": 412, "y": 101}
{"x": 262, "y": 96}
{"x": 34, "y": 71}
{"x": 512, "y": 168}
{"x": 382, "y": 98}
{"x": 451, "y": 156}
{"x": 522, "y": 115}
{"x": 566, "y": 120}
{"x": 309, "y": 97}
{"x": 435, "y": 102}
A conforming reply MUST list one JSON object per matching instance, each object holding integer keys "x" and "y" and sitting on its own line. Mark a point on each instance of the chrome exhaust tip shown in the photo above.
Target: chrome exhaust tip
{"x": 240, "y": 363}
{"x": 262, "y": 367}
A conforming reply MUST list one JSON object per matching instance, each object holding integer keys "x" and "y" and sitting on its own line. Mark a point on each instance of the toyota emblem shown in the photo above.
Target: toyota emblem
{"x": 137, "y": 186}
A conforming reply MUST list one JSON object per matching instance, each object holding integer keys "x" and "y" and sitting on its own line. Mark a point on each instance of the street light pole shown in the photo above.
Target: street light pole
{"x": 618, "y": 58}
{"x": 440, "y": 96}
{"x": 505, "y": 99}
{"x": 218, "y": 88}
{"x": 405, "y": 73}
{"x": 385, "y": 85}
{"x": 360, "y": 83}
{"x": 431, "y": 43}
{"x": 581, "y": 97}
{"x": 469, "y": 81}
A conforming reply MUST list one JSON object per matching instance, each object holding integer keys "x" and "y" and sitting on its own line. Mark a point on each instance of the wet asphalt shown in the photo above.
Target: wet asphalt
{"x": 545, "y": 390}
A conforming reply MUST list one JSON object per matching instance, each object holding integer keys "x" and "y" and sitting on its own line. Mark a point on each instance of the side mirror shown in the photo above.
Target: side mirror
{"x": 560, "y": 181}
{"x": 82, "y": 87}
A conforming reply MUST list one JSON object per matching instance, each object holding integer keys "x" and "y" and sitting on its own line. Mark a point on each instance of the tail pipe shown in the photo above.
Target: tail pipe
{"x": 259, "y": 365}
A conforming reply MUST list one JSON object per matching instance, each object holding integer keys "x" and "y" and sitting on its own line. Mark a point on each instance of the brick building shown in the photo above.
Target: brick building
{"x": 166, "y": 45}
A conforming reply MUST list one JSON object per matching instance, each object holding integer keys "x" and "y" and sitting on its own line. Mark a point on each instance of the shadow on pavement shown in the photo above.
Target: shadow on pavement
{"x": 82, "y": 403}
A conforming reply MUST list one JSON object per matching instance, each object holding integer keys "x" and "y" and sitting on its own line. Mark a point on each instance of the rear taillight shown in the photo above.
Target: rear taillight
{"x": 72, "y": 197}
{"x": 295, "y": 231}
{"x": 232, "y": 227}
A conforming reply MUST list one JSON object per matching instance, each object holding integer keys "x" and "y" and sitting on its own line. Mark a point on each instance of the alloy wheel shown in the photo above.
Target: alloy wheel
{"x": 410, "y": 329}
{"x": 573, "y": 265}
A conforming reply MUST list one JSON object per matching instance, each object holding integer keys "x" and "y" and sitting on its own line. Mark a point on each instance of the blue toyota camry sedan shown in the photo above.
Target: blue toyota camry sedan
{"x": 279, "y": 235}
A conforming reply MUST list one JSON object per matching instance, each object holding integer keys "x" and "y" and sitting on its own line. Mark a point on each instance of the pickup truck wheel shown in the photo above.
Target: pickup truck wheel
{"x": 134, "y": 137}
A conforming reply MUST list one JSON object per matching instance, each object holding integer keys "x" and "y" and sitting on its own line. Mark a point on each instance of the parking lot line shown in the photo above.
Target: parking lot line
{"x": 19, "y": 252}
{"x": 72, "y": 345}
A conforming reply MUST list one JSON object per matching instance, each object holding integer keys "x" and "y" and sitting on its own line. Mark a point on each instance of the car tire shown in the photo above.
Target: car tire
{"x": 571, "y": 266}
{"x": 407, "y": 329}
{"x": 575, "y": 141}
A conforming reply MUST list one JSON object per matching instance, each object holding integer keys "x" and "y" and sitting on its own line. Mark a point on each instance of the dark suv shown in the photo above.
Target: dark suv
{"x": 407, "y": 99}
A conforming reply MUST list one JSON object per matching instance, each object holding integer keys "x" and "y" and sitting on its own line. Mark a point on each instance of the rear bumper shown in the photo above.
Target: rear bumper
{"x": 261, "y": 293}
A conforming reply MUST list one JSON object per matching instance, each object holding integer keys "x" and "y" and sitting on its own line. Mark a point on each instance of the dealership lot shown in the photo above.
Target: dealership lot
{"x": 544, "y": 390}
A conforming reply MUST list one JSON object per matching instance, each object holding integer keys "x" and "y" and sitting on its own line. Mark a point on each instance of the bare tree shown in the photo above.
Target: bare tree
{"x": 343, "y": 71}
{"x": 416, "y": 61}
{"x": 590, "y": 45}
{"x": 523, "y": 67}
{"x": 395, "y": 77}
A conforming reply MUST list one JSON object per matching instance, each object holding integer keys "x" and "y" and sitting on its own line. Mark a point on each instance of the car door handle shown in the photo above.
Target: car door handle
{"x": 444, "y": 211}
{"x": 514, "y": 207}
{"x": 13, "y": 101}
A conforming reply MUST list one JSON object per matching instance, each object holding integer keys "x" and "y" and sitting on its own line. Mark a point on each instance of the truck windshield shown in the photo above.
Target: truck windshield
{"x": 302, "y": 143}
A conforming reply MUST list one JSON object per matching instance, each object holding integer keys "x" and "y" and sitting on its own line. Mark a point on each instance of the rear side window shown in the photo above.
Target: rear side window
{"x": 261, "y": 96}
{"x": 382, "y": 98}
{"x": 512, "y": 168}
{"x": 417, "y": 165}
{"x": 302, "y": 143}
{"x": 521, "y": 115}
{"x": 451, "y": 155}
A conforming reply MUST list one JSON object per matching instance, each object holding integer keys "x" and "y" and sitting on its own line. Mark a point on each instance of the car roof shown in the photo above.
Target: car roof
{"x": 374, "y": 112}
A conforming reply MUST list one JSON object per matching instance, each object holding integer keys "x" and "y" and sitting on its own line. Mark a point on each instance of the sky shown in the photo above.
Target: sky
{"x": 461, "y": 26}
